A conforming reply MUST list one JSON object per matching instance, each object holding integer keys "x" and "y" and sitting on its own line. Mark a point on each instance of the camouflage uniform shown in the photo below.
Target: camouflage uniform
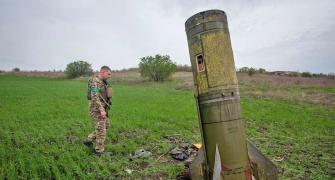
{"x": 98, "y": 102}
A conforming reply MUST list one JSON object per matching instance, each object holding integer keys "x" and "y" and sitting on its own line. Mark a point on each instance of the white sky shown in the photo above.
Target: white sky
{"x": 296, "y": 35}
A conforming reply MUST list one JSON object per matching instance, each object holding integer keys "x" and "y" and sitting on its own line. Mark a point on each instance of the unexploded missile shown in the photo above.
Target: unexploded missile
{"x": 217, "y": 94}
{"x": 218, "y": 101}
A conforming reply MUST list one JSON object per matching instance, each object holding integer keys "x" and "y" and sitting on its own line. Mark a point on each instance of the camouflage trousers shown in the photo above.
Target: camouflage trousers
{"x": 99, "y": 135}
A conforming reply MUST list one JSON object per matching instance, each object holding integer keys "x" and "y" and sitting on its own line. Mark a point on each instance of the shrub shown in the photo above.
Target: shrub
{"x": 261, "y": 70}
{"x": 16, "y": 69}
{"x": 243, "y": 69}
{"x": 78, "y": 68}
{"x": 157, "y": 68}
{"x": 306, "y": 74}
{"x": 319, "y": 75}
{"x": 251, "y": 71}
{"x": 293, "y": 74}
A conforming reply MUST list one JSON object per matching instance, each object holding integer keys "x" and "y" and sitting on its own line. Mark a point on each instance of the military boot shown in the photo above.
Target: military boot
{"x": 88, "y": 143}
{"x": 98, "y": 153}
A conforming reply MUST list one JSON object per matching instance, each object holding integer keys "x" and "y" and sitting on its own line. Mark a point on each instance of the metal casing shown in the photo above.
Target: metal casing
{"x": 217, "y": 93}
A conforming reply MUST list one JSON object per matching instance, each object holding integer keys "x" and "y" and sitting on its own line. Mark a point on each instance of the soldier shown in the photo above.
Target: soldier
{"x": 99, "y": 94}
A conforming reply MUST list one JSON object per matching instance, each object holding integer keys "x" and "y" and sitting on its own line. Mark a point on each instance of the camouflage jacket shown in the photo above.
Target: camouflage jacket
{"x": 97, "y": 95}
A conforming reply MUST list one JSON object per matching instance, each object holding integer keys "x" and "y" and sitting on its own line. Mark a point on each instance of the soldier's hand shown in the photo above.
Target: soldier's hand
{"x": 104, "y": 114}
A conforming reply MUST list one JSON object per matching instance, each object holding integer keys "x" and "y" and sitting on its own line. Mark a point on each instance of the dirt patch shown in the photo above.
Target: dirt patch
{"x": 160, "y": 176}
{"x": 142, "y": 165}
{"x": 139, "y": 165}
{"x": 283, "y": 81}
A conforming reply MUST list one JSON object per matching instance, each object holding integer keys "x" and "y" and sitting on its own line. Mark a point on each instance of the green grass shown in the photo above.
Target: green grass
{"x": 301, "y": 133}
{"x": 43, "y": 121}
{"x": 311, "y": 89}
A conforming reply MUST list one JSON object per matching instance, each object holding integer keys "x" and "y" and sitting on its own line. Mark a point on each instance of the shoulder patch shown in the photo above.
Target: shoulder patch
{"x": 95, "y": 89}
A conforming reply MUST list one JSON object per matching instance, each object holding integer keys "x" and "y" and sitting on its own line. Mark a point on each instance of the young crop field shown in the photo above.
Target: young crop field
{"x": 44, "y": 120}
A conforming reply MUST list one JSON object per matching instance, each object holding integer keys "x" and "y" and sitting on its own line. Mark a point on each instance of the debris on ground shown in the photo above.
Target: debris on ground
{"x": 179, "y": 154}
{"x": 279, "y": 159}
{"x": 198, "y": 146}
{"x": 129, "y": 171}
{"x": 140, "y": 153}
{"x": 183, "y": 151}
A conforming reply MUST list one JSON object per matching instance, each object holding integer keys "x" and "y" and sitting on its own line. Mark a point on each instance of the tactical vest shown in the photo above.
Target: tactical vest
{"x": 106, "y": 92}
{"x": 103, "y": 91}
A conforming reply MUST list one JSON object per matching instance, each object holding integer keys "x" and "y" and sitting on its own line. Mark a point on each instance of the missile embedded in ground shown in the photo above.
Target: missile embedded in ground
{"x": 218, "y": 99}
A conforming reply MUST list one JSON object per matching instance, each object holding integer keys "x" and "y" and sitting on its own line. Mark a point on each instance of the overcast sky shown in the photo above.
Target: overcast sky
{"x": 296, "y": 35}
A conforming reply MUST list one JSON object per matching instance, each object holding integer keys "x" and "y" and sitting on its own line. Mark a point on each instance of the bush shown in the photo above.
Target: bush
{"x": 261, "y": 70}
{"x": 158, "y": 68}
{"x": 78, "y": 68}
{"x": 306, "y": 74}
{"x": 16, "y": 69}
{"x": 251, "y": 71}
{"x": 243, "y": 69}
{"x": 294, "y": 74}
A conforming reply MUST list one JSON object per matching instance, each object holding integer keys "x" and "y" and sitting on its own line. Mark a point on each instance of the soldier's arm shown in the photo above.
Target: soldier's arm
{"x": 95, "y": 95}
{"x": 110, "y": 92}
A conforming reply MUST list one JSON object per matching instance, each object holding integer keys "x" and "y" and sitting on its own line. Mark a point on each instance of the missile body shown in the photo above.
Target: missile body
{"x": 217, "y": 96}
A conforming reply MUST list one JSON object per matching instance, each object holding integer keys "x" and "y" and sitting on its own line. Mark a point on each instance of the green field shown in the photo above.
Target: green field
{"x": 43, "y": 122}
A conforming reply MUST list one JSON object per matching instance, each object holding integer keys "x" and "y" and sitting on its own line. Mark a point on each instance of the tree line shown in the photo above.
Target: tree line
{"x": 161, "y": 67}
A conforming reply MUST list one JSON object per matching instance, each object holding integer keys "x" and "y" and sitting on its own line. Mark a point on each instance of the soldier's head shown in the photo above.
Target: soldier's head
{"x": 105, "y": 72}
